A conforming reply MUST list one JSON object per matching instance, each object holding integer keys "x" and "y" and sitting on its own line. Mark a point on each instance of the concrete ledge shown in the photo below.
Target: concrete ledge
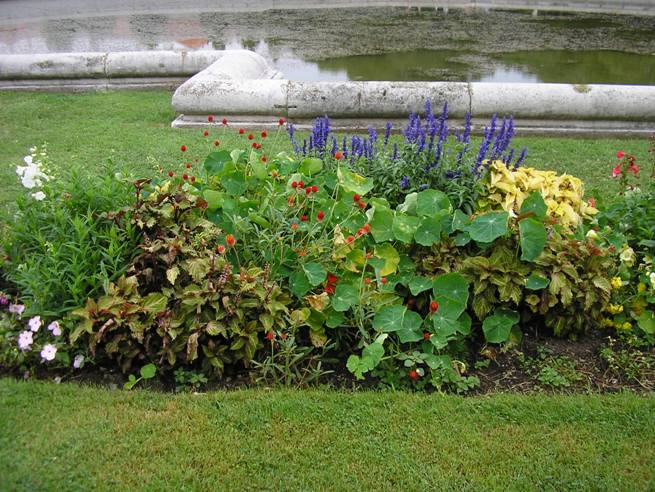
{"x": 86, "y": 85}
{"x": 106, "y": 65}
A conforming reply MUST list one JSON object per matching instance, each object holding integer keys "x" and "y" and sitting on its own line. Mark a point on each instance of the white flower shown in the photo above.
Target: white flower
{"x": 78, "y": 361}
{"x": 35, "y": 323}
{"x": 28, "y": 159}
{"x": 592, "y": 234}
{"x": 38, "y": 196}
{"x": 25, "y": 340}
{"x": 54, "y": 328}
{"x": 16, "y": 309}
{"x": 628, "y": 256}
{"x": 652, "y": 279}
{"x": 48, "y": 352}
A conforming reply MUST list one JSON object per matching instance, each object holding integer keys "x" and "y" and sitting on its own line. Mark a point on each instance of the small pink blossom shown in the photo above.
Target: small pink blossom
{"x": 17, "y": 309}
{"x": 48, "y": 352}
{"x": 55, "y": 328}
{"x": 620, "y": 154}
{"x": 78, "y": 361}
{"x": 35, "y": 323}
{"x": 617, "y": 171}
{"x": 25, "y": 340}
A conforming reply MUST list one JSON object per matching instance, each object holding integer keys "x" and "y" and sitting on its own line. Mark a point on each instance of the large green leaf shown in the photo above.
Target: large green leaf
{"x": 536, "y": 282}
{"x": 354, "y": 183}
{"x": 389, "y": 318}
{"x": 418, "y": 284}
{"x": 381, "y": 225}
{"x": 215, "y": 162}
{"x": 445, "y": 326}
{"x": 535, "y": 204}
{"x": 148, "y": 371}
{"x": 310, "y": 166}
{"x": 315, "y": 273}
{"x": 461, "y": 221}
{"x": 234, "y": 183}
{"x": 451, "y": 292}
{"x": 498, "y": 326}
{"x": 299, "y": 284}
{"x": 155, "y": 302}
{"x": 387, "y": 253}
{"x": 647, "y": 322}
{"x": 533, "y": 238}
{"x": 429, "y": 231}
{"x": 404, "y": 227}
{"x": 411, "y": 329}
{"x": 345, "y": 296}
{"x": 488, "y": 227}
{"x": 429, "y": 202}
{"x": 214, "y": 198}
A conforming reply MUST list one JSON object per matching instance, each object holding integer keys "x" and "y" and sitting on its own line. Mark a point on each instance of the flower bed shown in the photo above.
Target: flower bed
{"x": 410, "y": 262}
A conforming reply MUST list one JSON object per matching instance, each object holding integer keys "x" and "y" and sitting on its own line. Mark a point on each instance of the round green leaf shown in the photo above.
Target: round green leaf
{"x": 428, "y": 232}
{"x": 390, "y": 256}
{"x": 310, "y": 166}
{"x": 389, "y": 318}
{"x": 334, "y": 319}
{"x": 299, "y": 284}
{"x": 315, "y": 273}
{"x": 148, "y": 371}
{"x": 354, "y": 183}
{"x": 485, "y": 228}
{"x": 451, "y": 292}
{"x": 429, "y": 202}
{"x": 498, "y": 326}
{"x": 535, "y": 204}
{"x": 381, "y": 224}
{"x": 533, "y": 238}
{"x": 418, "y": 284}
{"x": 536, "y": 282}
{"x": 344, "y": 297}
{"x": 215, "y": 162}
{"x": 234, "y": 183}
{"x": 461, "y": 221}
{"x": 404, "y": 227}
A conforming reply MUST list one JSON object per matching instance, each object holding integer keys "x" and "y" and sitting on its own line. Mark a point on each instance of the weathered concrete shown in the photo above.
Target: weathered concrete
{"x": 106, "y": 65}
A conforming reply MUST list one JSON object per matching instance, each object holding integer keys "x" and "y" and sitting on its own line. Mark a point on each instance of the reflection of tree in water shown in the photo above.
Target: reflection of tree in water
{"x": 150, "y": 29}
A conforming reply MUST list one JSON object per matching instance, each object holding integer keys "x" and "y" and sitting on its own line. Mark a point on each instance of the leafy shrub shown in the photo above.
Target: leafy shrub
{"x": 181, "y": 302}
{"x": 430, "y": 155}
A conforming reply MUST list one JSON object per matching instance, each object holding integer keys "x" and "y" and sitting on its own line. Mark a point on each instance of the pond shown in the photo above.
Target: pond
{"x": 382, "y": 43}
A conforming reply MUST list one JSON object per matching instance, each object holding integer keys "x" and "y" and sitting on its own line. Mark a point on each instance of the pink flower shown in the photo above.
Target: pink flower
{"x": 16, "y": 309}
{"x": 617, "y": 171}
{"x": 48, "y": 352}
{"x": 25, "y": 340}
{"x": 592, "y": 202}
{"x": 54, "y": 328}
{"x": 620, "y": 154}
{"x": 35, "y": 323}
{"x": 78, "y": 361}
{"x": 633, "y": 169}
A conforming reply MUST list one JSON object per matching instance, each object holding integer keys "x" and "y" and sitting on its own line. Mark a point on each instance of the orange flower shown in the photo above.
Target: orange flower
{"x": 229, "y": 239}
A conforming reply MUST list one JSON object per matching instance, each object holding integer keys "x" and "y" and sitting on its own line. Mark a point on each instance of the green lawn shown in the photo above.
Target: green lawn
{"x": 133, "y": 129}
{"x": 67, "y": 437}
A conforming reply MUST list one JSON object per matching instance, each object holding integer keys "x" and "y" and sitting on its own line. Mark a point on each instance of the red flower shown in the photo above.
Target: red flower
{"x": 269, "y": 336}
{"x": 434, "y": 306}
{"x": 356, "y": 197}
{"x": 617, "y": 171}
{"x": 320, "y": 216}
{"x": 210, "y": 118}
{"x": 413, "y": 375}
{"x": 264, "y": 158}
{"x": 338, "y": 155}
{"x": 216, "y": 143}
{"x": 229, "y": 239}
{"x": 314, "y": 189}
{"x": 592, "y": 202}
{"x": 193, "y": 179}
{"x": 224, "y": 121}
{"x": 241, "y": 131}
{"x": 250, "y": 136}
{"x": 332, "y": 279}
{"x": 633, "y": 169}
{"x": 384, "y": 280}
{"x": 280, "y": 121}
{"x": 367, "y": 227}
{"x": 254, "y": 145}
{"x": 206, "y": 133}
{"x": 170, "y": 174}
{"x": 308, "y": 190}
{"x": 294, "y": 184}
{"x": 350, "y": 239}
{"x": 188, "y": 165}
{"x": 361, "y": 231}
{"x": 183, "y": 148}
{"x": 264, "y": 134}
{"x": 220, "y": 249}
{"x": 426, "y": 336}
{"x": 303, "y": 218}
{"x": 329, "y": 289}
{"x": 362, "y": 205}
{"x": 290, "y": 201}
{"x": 301, "y": 184}
{"x": 367, "y": 281}
{"x": 294, "y": 226}
{"x": 185, "y": 176}
{"x": 620, "y": 154}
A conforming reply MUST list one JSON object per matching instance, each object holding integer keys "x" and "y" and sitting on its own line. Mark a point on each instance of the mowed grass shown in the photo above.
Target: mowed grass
{"x": 133, "y": 130}
{"x": 68, "y": 437}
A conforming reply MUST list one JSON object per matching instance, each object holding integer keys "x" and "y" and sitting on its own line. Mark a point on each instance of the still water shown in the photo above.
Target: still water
{"x": 374, "y": 43}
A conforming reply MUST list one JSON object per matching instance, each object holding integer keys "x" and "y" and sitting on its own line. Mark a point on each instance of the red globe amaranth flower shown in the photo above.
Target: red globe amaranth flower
{"x": 250, "y": 136}
{"x": 193, "y": 179}
{"x": 367, "y": 281}
{"x": 170, "y": 174}
{"x": 308, "y": 190}
{"x": 332, "y": 279}
{"x": 254, "y": 145}
{"x": 301, "y": 184}
{"x": 320, "y": 216}
{"x": 384, "y": 280}
{"x": 220, "y": 249}
{"x": 338, "y": 155}
{"x": 361, "y": 231}
{"x": 294, "y": 226}
{"x": 617, "y": 171}
{"x": 620, "y": 154}
{"x": 350, "y": 239}
{"x": 270, "y": 336}
{"x": 264, "y": 159}
{"x": 356, "y": 197}
{"x": 183, "y": 148}
{"x": 188, "y": 165}
{"x": 241, "y": 131}
{"x": 434, "y": 306}
{"x": 229, "y": 239}
{"x": 426, "y": 336}
{"x": 330, "y": 289}
{"x": 592, "y": 202}
{"x": 413, "y": 375}
{"x": 314, "y": 189}
{"x": 264, "y": 134}
{"x": 633, "y": 169}
{"x": 303, "y": 218}
{"x": 185, "y": 176}
{"x": 224, "y": 121}
{"x": 367, "y": 227}
{"x": 216, "y": 143}
{"x": 290, "y": 201}
{"x": 210, "y": 118}
{"x": 280, "y": 121}
{"x": 362, "y": 205}
{"x": 206, "y": 133}
{"x": 294, "y": 184}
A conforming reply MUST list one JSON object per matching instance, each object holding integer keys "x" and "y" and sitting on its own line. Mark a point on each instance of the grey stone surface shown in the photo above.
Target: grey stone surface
{"x": 159, "y": 63}
{"x": 61, "y": 65}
